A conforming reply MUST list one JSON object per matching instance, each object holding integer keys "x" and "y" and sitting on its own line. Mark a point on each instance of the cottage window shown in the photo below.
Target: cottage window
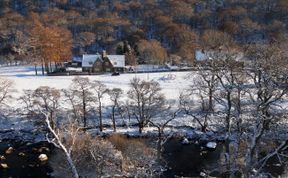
{"x": 106, "y": 63}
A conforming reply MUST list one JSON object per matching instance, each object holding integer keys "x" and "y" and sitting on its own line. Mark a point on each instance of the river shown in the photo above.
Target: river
{"x": 182, "y": 160}
{"x": 23, "y": 160}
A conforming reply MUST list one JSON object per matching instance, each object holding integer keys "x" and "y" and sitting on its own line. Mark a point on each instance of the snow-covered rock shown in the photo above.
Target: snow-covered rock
{"x": 211, "y": 145}
{"x": 203, "y": 174}
{"x": 2, "y": 157}
{"x": 43, "y": 157}
{"x": 21, "y": 154}
{"x": 9, "y": 150}
{"x": 4, "y": 166}
{"x": 185, "y": 141}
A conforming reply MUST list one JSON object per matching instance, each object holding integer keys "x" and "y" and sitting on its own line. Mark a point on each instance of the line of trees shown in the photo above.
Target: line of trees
{"x": 87, "y": 99}
{"x": 245, "y": 104}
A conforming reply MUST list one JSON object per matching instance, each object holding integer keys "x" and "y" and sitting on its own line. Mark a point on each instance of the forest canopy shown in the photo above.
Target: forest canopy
{"x": 174, "y": 27}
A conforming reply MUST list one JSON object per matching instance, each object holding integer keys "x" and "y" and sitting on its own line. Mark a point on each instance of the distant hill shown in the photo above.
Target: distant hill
{"x": 173, "y": 27}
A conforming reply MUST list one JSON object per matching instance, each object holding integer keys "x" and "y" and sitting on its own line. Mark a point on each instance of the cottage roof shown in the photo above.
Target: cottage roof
{"x": 117, "y": 60}
{"x": 202, "y": 55}
{"x": 88, "y": 60}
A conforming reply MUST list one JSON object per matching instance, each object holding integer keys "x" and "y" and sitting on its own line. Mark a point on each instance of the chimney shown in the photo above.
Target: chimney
{"x": 104, "y": 54}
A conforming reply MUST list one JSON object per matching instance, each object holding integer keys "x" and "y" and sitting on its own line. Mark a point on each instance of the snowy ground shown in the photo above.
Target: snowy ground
{"x": 24, "y": 78}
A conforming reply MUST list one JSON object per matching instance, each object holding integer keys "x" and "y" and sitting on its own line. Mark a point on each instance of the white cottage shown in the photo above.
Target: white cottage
{"x": 103, "y": 63}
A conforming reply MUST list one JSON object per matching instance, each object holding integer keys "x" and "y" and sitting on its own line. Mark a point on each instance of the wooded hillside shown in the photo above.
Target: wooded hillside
{"x": 151, "y": 30}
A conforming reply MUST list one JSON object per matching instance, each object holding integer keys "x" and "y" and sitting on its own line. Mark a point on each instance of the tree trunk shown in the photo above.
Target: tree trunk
{"x": 52, "y": 120}
{"x": 100, "y": 117}
{"x": 113, "y": 118}
{"x": 84, "y": 113}
{"x": 204, "y": 126}
{"x": 47, "y": 68}
{"x": 51, "y": 70}
{"x": 227, "y": 154}
{"x": 71, "y": 164}
{"x": 210, "y": 107}
{"x": 68, "y": 155}
{"x": 42, "y": 65}
{"x": 159, "y": 145}
{"x": 228, "y": 112}
{"x": 140, "y": 127}
{"x": 36, "y": 72}
{"x": 56, "y": 66}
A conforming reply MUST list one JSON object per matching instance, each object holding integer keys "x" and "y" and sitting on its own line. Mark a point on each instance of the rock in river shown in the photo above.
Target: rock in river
{"x": 185, "y": 141}
{"x": 9, "y": 151}
{"x": 21, "y": 154}
{"x": 211, "y": 145}
{"x": 2, "y": 157}
{"x": 4, "y": 166}
{"x": 43, "y": 157}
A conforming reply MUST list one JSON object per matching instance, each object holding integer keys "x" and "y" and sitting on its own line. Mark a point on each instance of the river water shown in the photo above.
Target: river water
{"x": 182, "y": 160}
{"x": 23, "y": 160}
{"x": 189, "y": 160}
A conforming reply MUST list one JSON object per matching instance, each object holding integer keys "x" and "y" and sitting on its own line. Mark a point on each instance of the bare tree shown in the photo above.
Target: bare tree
{"x": 29, "y": 109}
{"x": 222, "y": 68}
{"x": 161, "y": 123}
{"x": 71, "y": 97}
{"x": 270, "y": 81}
{"x": 47, "y": 99}
{"x": 115, "y": 95}
{"x": 59, "y": 141}
{"x": 228, "y": 78}
{"x": 81, "y": 87}
{"x": 188, "y": 105}
{"x": 6, "y": 87}
{"x": 99, "y": 89}
{"x": 207, "y": 85}
{"x": 230, "y": 94}
{"x": 145, "y": 100}
{"x": 125, "y": 112}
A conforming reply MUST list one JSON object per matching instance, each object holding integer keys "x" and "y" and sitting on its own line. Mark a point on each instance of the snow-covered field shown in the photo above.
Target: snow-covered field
{"x": 24, "y": 78}
{"x": 172, "y": 83}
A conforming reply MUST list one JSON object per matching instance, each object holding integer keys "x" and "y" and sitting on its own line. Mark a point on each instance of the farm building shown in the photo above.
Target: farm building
{"x": 103, "y": 63}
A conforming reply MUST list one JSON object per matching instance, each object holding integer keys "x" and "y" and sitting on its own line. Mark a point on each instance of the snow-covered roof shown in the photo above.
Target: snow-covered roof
{"x": 88, "y": 60}
{"x": 202, "y": 55}
{"x": 117, "y": 60}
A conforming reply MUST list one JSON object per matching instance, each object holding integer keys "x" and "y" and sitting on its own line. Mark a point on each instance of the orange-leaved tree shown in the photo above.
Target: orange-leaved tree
{"x": 50, "y": 44}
